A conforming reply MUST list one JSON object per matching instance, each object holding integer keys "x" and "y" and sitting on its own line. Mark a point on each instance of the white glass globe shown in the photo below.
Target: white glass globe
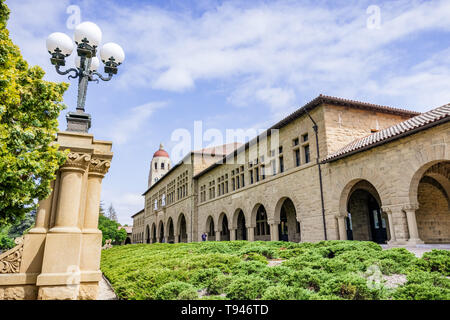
{"x": 95, "y": 63}
{"x": 61, "y": 41}
{"x": 90, "y": 31}
{"x": 112, "y": 49}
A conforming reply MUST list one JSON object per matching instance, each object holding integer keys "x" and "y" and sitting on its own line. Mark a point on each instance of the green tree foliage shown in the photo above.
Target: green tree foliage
{"x": 29, "y": 110}
{"x": 110, "y": 230}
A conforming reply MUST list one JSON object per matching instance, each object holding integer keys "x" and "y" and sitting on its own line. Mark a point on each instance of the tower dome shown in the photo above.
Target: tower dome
{"x": 161, "y": 152}
{"x": 160, "y": 165}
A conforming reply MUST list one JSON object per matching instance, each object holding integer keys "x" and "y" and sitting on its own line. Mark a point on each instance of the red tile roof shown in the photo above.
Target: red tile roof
{"x": 410, "y": 126}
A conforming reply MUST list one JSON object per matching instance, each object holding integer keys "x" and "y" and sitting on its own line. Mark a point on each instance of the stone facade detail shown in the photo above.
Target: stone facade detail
{"x": 395, "y": 192}
{"x": 11, "y": 259}
{"x": 60, "y": 257}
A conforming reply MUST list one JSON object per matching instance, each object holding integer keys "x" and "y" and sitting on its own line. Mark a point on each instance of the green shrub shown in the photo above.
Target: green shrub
{"x": 351, "y": 287}
{"x": 214, "y": 297}
{"x": 396, "y": 260}
{"x": 306, "y": 278}
{"x": 435, "y": 261}
{"x": 246, "y": 288}
{"x": 282, "y": 292}
{"x": 249, "y": 267}
{"x": 277, "y": 273}
{"x": 253, "y": 256}
{"x": 202, "y": 278}
{"x": 219, "y": 284}
{"x": 172, "y": 290}
{"x": 188, "y": 294}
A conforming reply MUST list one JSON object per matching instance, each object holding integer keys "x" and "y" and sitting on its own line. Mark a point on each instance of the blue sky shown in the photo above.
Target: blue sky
{"x": 237, "y": 64}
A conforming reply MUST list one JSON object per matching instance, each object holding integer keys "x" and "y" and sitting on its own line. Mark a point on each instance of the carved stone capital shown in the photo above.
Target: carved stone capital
{"x": 410, "y": 207}
{"x": 99, "y": 166}
{"x": 387, "y": 210}
{"x": 77, "y": 161}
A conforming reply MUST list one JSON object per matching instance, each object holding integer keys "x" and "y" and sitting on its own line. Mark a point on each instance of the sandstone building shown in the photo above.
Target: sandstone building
{"x": 333, "y": 169}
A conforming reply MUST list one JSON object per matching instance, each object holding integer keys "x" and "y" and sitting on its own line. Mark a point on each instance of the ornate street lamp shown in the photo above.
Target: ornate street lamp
{"x": 87, "y": 38}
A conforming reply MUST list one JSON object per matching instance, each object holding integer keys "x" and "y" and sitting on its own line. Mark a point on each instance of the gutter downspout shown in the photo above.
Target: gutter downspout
{"x": 315, "y": 127}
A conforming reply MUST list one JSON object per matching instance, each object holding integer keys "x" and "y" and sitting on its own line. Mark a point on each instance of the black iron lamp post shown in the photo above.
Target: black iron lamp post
{"x": 87, "y": 38}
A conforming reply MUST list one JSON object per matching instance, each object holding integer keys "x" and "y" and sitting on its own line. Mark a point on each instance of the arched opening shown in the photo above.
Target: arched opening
{"x": 225, "y": 230}
{"x": 241, "y": 230}
{"x": 262, "y": 229}
{"x": 147, "y": 234}
{"x": 210, "y": 229}
{"x": 289, "y": 227}
{"x": 128, "y": 240}
{"x": 365, "y": 221}
{"x": 161, "y": 232}
{"x": 153, "y": 233}
{"x": 433, "y": 213}
{"x": 182, "y": 237}
{"x": 170, "y": 232}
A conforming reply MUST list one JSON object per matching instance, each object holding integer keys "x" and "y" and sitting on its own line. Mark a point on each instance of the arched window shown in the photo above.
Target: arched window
{"x": 162, "y": 165}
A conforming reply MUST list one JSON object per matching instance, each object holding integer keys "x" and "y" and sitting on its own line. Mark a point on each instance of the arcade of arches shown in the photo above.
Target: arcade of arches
{"x": 365, "y": 218}
{"x": 396, "y": 192}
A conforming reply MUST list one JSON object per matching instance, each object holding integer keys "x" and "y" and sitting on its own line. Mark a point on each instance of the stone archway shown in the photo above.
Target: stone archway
{"x": 182, "y": 229}
{"x": 170, "y": 231}
{"x": 154, "y": 233}
{"x": 365, "y": 220}
{"x": 286, "y": 216}
{"x": 161, "y": 238}
{"x": 223, "y": 227}
{"x": 210, "y": 231}
{"x": 239, "y": 225}
{"x": 260, "y": 221}
{"x": 128, "y": 240}
{"x": 431, "y": 187}
{"x": 147, "y": 234}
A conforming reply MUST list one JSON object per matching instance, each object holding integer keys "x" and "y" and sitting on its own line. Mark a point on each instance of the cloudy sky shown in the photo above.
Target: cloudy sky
{"x": 237, "y": 64}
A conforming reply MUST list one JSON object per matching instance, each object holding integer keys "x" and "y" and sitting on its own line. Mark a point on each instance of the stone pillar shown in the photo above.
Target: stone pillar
{"x": 251, "y": 233}
{"x": 388, "y": 211}
{"x": 410, "y": 211}
{"x": 176, "y": 238}
{"x": 217, "y": 235}
{"x": 274, "y": 235}
{"x": 61, "y": 262}
{"x": 91, "y": 235}
{"x": 341, "y": 227}
{"x": 43, "y": 214}
{"x": 232, "y": 234}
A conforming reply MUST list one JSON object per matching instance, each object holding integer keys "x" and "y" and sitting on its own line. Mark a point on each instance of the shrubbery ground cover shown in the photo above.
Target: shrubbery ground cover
{"x": 239, "y": 270}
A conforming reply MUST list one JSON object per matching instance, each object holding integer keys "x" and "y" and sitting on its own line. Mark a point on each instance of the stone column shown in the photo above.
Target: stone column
{"x": 217, "y": 235}
{"x": 71, "y": 183}
{"x": 274, "y": 235}
{"x": 176, "y": 238}
{"x": 388, "y": 212}
{"x": 410, "y": 211}
{"x": 92, "y": 236}
{"x": 251, "y": 233}
{"x": 232, "y": 234}
{"x": 63, "y": 245}
{"x": 97, "y": 170}
{"x": 341, "y": 227}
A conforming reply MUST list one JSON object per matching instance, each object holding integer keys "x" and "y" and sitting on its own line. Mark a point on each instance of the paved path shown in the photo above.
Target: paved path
{"x": 105, "y": 292}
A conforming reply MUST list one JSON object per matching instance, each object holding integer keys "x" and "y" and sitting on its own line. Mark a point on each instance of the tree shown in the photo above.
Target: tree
{"x": 29, "y": 110}
{"x": 110, "y": 230}
{"x": 112, "y": 213}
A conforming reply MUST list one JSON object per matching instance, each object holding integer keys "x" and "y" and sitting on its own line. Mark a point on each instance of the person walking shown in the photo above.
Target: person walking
{"x": 204, "y": 236}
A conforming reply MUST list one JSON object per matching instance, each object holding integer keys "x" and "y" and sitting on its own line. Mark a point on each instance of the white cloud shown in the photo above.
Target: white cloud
{"x": 125, "y": 127}
{"x": 274, "y": 52}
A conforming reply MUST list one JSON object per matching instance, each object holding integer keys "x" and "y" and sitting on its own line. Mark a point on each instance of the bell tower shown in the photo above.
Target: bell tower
{"x": 160, "y": 165}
